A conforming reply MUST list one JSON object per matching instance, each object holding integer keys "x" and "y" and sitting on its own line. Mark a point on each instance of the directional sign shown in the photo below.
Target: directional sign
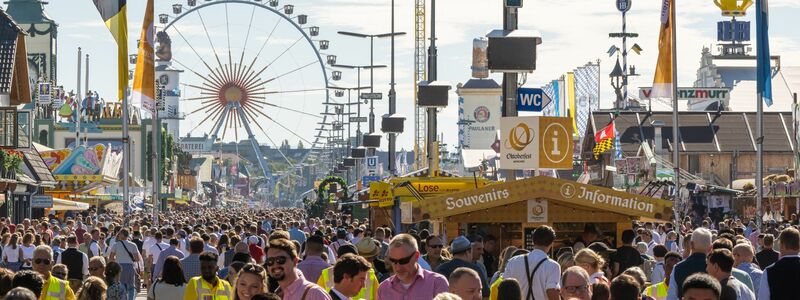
{"x": 371, "y": 96}
{"x": 358, "y": 119}
{"x": 42, "y": 201}
{"x": 531, "y": 99}
{"x": 365, "y": 180}
{"x": 372, "y": 163}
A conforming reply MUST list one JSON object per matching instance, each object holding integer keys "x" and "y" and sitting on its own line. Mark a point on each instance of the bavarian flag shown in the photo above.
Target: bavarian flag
{"x": 114, "y": 14}
{"x": 145, "y": 75}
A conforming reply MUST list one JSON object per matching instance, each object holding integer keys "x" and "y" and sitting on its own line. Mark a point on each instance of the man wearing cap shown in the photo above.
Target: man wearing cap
{"x": 461, "y": 248}
{"x": 313, "y": 264}
{"x": 370, "y": 289}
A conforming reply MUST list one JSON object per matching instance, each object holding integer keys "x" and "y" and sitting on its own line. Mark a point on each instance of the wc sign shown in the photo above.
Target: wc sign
{"x": 531, "y": 99}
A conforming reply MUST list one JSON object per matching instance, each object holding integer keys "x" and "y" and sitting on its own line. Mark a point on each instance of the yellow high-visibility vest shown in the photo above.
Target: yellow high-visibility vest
{"x": 370, "y": 284}
{"x": 493, "y": 288}
{"x": 56, "y": 289}
{"x": 657, "y": 291}
{"x": 200, "y": 289}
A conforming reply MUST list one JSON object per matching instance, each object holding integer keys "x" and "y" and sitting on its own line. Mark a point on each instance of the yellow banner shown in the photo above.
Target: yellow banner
{"x": 432, "y": 187}
{"x": 145, "y": 75}
{"x": 571, "y": 98}
{"x": 662, "y": 80}
{"x": 381, "y": 191}
{"x": 542, "y": 187}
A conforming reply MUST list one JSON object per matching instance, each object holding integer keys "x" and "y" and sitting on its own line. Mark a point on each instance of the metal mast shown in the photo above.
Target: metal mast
{"x": 420, "y": 66}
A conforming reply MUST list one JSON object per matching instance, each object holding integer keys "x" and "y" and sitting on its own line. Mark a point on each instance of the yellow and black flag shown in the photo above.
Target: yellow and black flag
{"x": 114, "y": 14}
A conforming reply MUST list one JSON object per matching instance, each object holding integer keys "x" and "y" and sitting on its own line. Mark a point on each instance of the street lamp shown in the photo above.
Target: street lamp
{"x": 371, "y": 67}
{"x": 617, "y": 82}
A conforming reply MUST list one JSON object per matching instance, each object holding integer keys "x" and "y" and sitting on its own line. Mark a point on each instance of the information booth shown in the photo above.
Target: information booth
{"x": 511, "y": 210}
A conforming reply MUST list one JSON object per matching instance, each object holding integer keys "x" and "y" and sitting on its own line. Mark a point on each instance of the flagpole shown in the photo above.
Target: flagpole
{"x": 78, "y": 98}
{"x": 675, "y": 142}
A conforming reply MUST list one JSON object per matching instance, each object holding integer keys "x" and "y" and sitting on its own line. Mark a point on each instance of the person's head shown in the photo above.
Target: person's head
{"x": 670, "y": 260}
{"x": 281, "y": 260}
{"x": 628, "y": 236}
{"x": 509, "y": 289}
{"x": 172, "y": 272}
{"x": 600, "y": 291}
{"x": 59, "y": 271}
{"x": 20, "y": 293}
{"x": 196, "y": 245}
{"x": 490, "y": 243}
{"x": 790, "y": 241}
{"x": 743, "y": 253}
{"x": 446, "y": 296}
{"x": 252, "y": 280}
{"x": 638, "y": 274}
{"x": 403, "y": 254}
{"x": 208, "y": 266}
{"x": 659, "y": 251}
{"x": 97, "y": 266}
{"x": 434, "y": 245}
{"x": 466, "y": 283}
{"x": 461, "y": 248}
{"x": 590, "y": 233}
{"x": 380, "y": 234}
{"x": 30, "y": 280}
{"x": 477, "y": 247}
{"x": 113, "y": 269}
{"x": 719, "y": 263}
{"x": 92, "y": 288}
{"x": 646, "y": 236}
{"x": 701, "y": 240}
{"x": 575, "y": 283}
{"x": 701, "y": 286}
{"x": 350, "y": 273}
{"x": 589, "y": 260}
{"x": 6, "y": 277}
{"x": 43, "y": 260}
{"x": 625, "y": 287}
{"x": 768, "y": 241}
{"x": 315, "y": 245}
{"x": 543, "y": 237}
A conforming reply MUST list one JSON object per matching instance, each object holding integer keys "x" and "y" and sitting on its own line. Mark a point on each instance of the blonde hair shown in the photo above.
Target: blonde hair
{"x": 93, "y": 288}
{"x": 447, "y": 296}
{"x": 589, "y": 257}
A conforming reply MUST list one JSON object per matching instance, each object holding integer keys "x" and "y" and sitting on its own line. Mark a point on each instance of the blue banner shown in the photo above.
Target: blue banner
{"x": 763, "y": 69}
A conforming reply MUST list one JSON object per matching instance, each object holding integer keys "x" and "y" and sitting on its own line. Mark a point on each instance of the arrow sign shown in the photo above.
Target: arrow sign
{"x": 371, "y": 96}
{"x": 531, "y": 99}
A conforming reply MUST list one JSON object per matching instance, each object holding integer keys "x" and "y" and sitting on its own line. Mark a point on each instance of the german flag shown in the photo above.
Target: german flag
{"x": 114, "y": 14}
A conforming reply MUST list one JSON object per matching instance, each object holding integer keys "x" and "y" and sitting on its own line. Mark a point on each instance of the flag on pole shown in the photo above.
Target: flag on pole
{"x": 612, "y": 50}
{"x": 636, "y": 48}
{"x": 607, "y": 132}
{"x": 571, "y": 100}
{"x": 114, "y": 14}
{"x": 662, "y": 81}
{"x": 604, "y": 140}
{"x": 763, "y": 69}
{"x": 145, "y": 74}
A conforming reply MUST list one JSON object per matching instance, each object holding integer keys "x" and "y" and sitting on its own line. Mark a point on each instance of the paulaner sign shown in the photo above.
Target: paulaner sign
{"x": 545, "y": 188}
{"x": 692, "y": 93}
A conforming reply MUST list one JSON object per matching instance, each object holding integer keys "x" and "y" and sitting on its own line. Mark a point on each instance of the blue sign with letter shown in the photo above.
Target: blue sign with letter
{"x": 365, "y": 180}
{"x": 529, "y": 99}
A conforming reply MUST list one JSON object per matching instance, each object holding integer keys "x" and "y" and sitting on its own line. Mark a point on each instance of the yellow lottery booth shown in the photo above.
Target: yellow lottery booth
{"x": 511, "y": 210}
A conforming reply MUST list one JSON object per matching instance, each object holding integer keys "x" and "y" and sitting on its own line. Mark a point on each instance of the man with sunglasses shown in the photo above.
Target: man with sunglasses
{"x": 434, "y": 257}
{"x": 410, "y": 281}
{"x": 281, "y": 266}
{"x": 53, "y": 288}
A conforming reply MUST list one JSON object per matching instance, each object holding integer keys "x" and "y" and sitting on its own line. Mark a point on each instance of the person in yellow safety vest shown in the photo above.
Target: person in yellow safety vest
{"x": 658, "y": 291}
{"x": 53, "y": 287}
{"x": 370, "y": 289}
{"x": 493, "y": 287}
{"x": 349, "y": 276}
{"x": 208, "y": 286}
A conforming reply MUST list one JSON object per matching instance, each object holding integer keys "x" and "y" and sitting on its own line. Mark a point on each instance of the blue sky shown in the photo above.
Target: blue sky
{"x": 573, "y": 32}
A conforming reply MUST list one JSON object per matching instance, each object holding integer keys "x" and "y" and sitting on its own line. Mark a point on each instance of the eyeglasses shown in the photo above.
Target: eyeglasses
{"x": 575, "y": 288}
{"x": 40, "y": 261}
{"x": 401, "y": 261}
{"x": 279, "y": 259}
{"x": 436, "y": 246}
{"x": 59, "y": 275}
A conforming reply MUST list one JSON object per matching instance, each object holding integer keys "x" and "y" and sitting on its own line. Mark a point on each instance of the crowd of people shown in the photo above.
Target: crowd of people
{"x": 281, "y": 253}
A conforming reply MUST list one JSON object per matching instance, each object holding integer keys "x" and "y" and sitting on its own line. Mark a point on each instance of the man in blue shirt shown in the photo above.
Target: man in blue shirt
{"x": 743, "y": 254}
{"x": 296, "y": 234}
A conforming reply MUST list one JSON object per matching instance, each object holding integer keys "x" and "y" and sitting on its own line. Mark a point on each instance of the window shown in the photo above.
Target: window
{"x": 15, "y": 128}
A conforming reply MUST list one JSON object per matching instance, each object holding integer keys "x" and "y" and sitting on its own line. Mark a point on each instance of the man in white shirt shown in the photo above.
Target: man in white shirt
{"x": 349, "y": 275}
{"x": 154, "y": 250}
{"x": 537, "y": 274}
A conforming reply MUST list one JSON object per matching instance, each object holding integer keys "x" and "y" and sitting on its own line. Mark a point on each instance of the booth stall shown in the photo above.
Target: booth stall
{"x": 511, "y": 210}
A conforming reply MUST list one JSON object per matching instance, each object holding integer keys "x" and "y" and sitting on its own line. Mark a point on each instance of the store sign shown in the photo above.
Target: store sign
{"x": 42, "y": 201}
{"x": 381, "y": 191}
{"x": 529, "y": 143}
{"x": 537, "y": 211}
{"x": 719, "y": 94}
{"x": 44, "y": 96}
{"x": 541, "y": 187}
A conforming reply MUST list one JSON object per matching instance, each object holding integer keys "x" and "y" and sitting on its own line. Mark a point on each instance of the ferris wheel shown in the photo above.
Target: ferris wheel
{"x": 252, "y": 69}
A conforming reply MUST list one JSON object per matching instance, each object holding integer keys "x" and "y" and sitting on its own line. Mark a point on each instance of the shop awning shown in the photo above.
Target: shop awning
{"x": 62, "y": 204}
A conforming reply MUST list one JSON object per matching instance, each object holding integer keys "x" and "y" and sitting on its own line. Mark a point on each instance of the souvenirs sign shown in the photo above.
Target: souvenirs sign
{"x": 540, "y": 187}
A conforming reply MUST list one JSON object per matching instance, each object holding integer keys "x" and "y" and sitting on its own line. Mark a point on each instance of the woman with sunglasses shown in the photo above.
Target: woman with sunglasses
{"x": 252, "y": 280}
{"x": 172, "y": 283}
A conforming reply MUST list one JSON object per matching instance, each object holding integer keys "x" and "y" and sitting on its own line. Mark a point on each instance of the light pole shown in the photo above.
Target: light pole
{"x": 372, "y": 60}
{"x": 371, "y": 67}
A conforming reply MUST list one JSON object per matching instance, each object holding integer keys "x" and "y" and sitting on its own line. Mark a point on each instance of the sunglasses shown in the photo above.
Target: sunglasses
{"x": 436, "y": 246}
{"x": 279, "y": 260}
{"x": 575, "y": 288}
{"x": 59, "y": 275}
{"x": 40, "y": 261}
{"x": 401, "y": 261}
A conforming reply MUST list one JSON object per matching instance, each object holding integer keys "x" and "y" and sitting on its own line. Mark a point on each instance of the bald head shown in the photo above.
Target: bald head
{"x": 743, "y": 253}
